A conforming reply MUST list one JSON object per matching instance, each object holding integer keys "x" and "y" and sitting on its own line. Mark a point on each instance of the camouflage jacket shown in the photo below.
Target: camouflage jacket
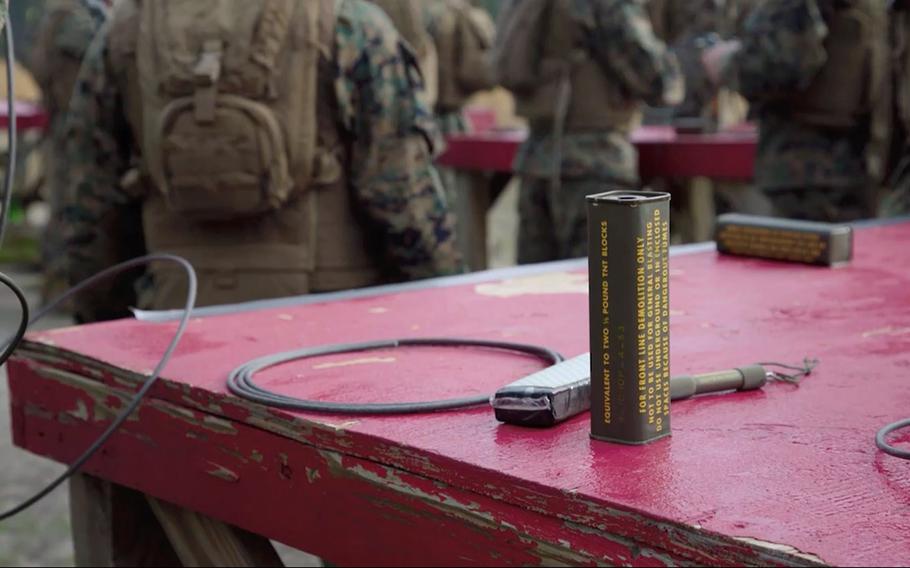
{"x": 621, "y": 39}
{"x": 62, "y": 39}
{"x": 782, "y": 51}
{"x": 391, "y": 133}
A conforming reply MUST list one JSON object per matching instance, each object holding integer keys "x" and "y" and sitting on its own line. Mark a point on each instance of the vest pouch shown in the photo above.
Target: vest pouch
{"x": 232, "y": 164}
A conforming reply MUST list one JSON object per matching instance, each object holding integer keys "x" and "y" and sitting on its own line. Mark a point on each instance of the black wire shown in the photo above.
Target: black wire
{"x": 241, "y": 383}
{"x": 11, "y": 345}
{"x": 883, "y": 445}
{"x": 146, "y": 387}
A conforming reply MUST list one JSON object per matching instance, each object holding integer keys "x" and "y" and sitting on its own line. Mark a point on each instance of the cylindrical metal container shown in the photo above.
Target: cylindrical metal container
{"x": 628, "y": 252}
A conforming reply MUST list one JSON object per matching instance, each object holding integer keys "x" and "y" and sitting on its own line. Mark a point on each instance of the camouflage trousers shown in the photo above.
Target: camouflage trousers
{"x": 553, "y": 222}
{"x": 831, "y": 205}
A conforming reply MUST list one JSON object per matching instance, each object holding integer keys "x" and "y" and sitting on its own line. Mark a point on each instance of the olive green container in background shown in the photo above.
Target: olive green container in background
{"x": 784, "y": 239}
{"x": 629, "y": 279}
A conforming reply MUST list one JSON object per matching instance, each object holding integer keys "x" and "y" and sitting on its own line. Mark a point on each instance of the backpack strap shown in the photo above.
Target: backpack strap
{"x": 314, "y": 41}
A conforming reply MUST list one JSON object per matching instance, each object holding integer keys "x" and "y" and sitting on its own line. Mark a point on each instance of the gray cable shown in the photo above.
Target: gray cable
{"x": 12, "y": 133}
{"x": 241, "y": 383}
{"x": 146, "y": 387}
{"x": 883, "y": 445}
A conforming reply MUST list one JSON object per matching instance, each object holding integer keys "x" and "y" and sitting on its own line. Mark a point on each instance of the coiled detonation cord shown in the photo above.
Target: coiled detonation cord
{"x": 882, "y": 436}
{"x": 241, "y": 383}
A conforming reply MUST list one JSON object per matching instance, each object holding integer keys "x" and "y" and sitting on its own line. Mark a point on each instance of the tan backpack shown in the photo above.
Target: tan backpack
{"x": 228, "y": 91}
{"x": 464, "y": 41}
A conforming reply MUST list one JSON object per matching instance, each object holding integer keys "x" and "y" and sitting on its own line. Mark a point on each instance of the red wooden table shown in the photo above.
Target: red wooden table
{"x": 662, "y": 152}
{"x": 781, "y": 476}
{"x": 29, "y": 116}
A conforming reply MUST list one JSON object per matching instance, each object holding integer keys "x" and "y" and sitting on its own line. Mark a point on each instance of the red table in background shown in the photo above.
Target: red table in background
{"x": 780, "y": 476}
{"x": 701, "y": 159}
{"x": 29, "y": 116}
{"x": 728, "y": 155}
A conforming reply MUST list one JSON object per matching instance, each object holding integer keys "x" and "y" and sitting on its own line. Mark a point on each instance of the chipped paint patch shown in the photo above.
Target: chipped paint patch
{"x": 890, "y": 330}
{"x": 285, "y": 317}
{"x": 634, "y": 548}
{"x": 280, "y": 426}
{"x": 218, "y": 425}
{"x": 117, "y": 380}
{"x": 312, "y": 475}
{"x": 100, "y": 394}
{"x": 81, "y": 411}
{"x": 222, "y": 473}
{"x": 210, "y": 423}
{"x": 378, "y": 310}
{"x": 144, "y": 438}
{"x": 557, "y": 283}
{"x": 234, "y": 454}
{"x": 32, "y": 409}
{"x": 339, "y": 429}
{"x": 212, "y": 407}
{"x": 355, "y": 362}
{"x": 256, "y": 456}
{"x": 781, "y": 548}
{"x": 400, "y": 455}
{"x": 284, "y": 469}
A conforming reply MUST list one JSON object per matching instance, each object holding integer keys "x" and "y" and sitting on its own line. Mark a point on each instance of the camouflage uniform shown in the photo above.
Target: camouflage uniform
{"x": 807, "y": 172}
{"x": 553, "y": 220}
{"x": 63, "y": 36}
{"x": 391, "y": 136}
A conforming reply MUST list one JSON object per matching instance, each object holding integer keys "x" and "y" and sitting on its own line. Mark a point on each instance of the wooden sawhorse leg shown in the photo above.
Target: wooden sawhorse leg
{"x": 701, "y": 209}
{"x": 116, "y": 526}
